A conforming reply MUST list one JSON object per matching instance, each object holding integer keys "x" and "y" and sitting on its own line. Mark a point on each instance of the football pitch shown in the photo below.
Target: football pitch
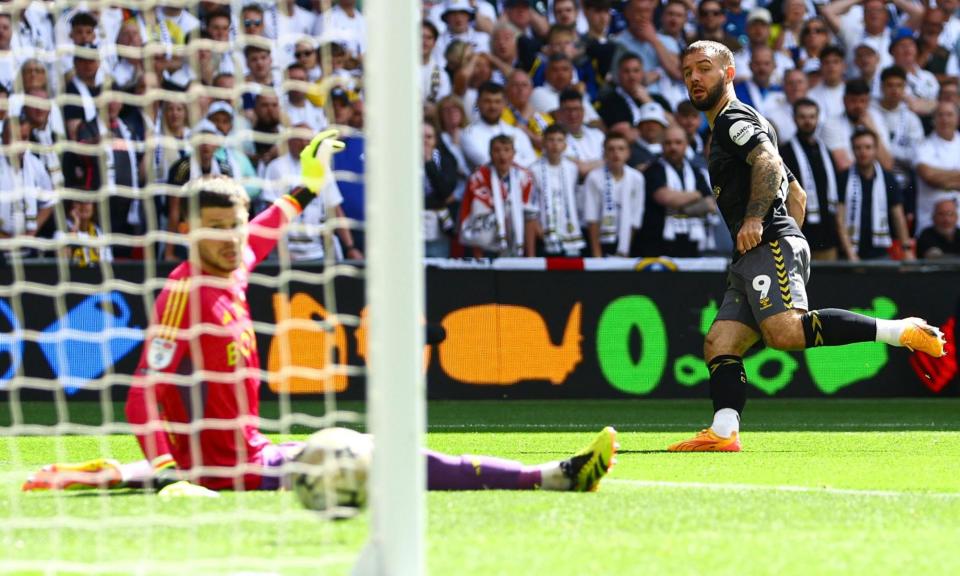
{"x": 822, "y": 487}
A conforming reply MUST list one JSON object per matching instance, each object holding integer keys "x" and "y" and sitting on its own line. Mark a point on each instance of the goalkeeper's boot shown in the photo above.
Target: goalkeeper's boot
{"x": 100, "y": 473}
{"x": 587, "y": 467}
{"x": 919, "y": 336}
{"x": 708, "y": 441}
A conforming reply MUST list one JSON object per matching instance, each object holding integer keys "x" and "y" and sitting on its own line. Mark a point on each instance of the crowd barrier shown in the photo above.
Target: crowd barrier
{"x": 530, "y": 328}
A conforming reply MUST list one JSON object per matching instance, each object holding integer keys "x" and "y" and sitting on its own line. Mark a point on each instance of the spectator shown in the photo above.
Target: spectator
{"x": 873, "y": 24}
{"x": 678, "y": 199}
{"x": 434, "y": 82}
{"x": 906, "y": 130}
{"x": 86, "y": 84}
{"x": 673, "y": 16}
{"x": 828, "y": 94}
{"x": 779, "y": 108}
{"x": 125, "y": 67}
{"x": 221, "y": 59}
{"x": 262, "y": 74}
{"x": 559, "y": 77}
{"x": 649, "y": 144}
{"x": 738, "y": 22}
{"x": 83, "y": 32}
{"x": 206, "y": 140}
{"x": 688, "y": 117}
{"x": 808, "y": 159}
{"x": 856, "y": 113}
{"x": 452, "y": 120}
{"x": 26, "y": 191}
{"x": 937, "y": 164}
{"x": 306, "y": 55}
{"x": 870, "y": 207}
{"x": 343, "y": 23}
{"x": 584, "y": 143}
{"x": 477, "y": 71}
{"x": 555, "y": 183}
{"x": 786, "y": 35}
{"x": 286, "y": 23}
{"x": 519, "y": 111}
{"x": 439, "y": 183}
{"x": 497, "y": 217}
{"x": 620, "y": 106}
{"x": 251, "y": 18}
{"x": 931, "y": 55}
{"x": 458, "y": 15}
{"x": 760, "y": 88}
{"x": 221, "y": 115}
{"x": 597, "y": 45}
{"x": 922, "y": 86}
{"x": 941, "y": 240}
{"x": 660, "y": 53}
{"x": 615, "y": 196}
{"x": 476, "y": 138}
{"x": 562, "y": 41}
{"x": 182, "y": 19}
{"x": 504, "y": 51}
{"x": 304, "y": 238}
{"x": 711, "y": 25}
{"x": 298, "y": 109}
{"x": 532, "y": 25}
{"x": 567, "y": 13}
{"x": 266, "y": 127}
{"x": 80, "y": 236}
{"x": 813, "y": 39}
{"x": 758, "y": 35}
{"x": 866, "y": 65}
{"x": 171, "y": 139}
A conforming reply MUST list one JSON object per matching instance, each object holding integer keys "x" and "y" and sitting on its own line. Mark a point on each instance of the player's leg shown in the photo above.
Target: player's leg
{"x": 581, "y": 472}
{"x": 99, "y": 473}
{"x": 786, "y": 323}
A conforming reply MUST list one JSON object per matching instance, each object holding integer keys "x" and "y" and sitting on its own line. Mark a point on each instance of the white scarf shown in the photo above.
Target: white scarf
{"x": 854, "y": 196}
{"x": 612, "y": 228}
{"x": 50, "y": 159}
{"x": 809, "y": 182}
{"x": 675, "y": 222}
{"x": 755, "y": 96}
{"x": 89, "y": 105}
{"x": 515, "y": 200}
{"x": 561, "y": 234}
{"x": 18, "y": 197}
{"x": 634, "y": 109}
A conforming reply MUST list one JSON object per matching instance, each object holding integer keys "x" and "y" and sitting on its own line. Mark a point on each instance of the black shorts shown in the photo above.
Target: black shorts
{"x": 767, "y": 280}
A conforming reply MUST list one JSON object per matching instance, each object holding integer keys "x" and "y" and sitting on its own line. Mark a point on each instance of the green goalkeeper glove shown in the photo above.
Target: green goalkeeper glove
{"x": 315, "y": 164}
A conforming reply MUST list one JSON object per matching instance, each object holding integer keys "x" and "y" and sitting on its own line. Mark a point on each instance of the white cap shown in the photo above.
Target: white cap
{"x": 457, "y": 6}
{"x": 653, "y": 112}
{"x": 761, "y": 14}
{"x": 219, "y": 106}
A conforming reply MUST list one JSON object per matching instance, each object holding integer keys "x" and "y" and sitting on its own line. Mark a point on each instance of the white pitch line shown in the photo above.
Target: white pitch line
{"x": 781, "y": 488}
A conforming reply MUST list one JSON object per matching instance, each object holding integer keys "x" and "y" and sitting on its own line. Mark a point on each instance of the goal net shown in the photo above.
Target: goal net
{"x": 110, "y": 110}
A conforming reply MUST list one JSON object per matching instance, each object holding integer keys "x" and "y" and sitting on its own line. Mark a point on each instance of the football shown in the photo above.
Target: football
{"x": 330, "y": 474}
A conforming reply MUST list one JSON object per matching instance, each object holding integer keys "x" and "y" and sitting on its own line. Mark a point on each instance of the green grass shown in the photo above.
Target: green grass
{"x": 823, "y": 487}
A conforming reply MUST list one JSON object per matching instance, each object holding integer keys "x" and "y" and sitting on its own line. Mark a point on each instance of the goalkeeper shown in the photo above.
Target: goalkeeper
{"x": 207, "y": 431}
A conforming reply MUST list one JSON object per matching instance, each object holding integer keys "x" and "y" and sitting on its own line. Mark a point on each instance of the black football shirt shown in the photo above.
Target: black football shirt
{"x": 737, "y": 130}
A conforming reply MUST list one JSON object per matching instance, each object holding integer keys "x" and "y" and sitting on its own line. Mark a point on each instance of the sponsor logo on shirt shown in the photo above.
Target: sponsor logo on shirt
{"x": 160, "y": 353}
{"x": 740, "y": 132}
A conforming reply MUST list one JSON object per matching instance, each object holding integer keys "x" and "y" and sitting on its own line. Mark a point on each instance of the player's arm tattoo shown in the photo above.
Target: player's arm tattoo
{"x": 765, "y": 175}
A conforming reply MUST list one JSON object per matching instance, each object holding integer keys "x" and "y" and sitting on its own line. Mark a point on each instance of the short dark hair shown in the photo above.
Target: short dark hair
{"x": 559, "y": 58}
{"x": 555, "y": 129}
{"x": 860, "y": 132}
{"x": 805, "y": 103}
{"x": 570, "y": 94}
{"x": 218, "y": 192}
{"x": 431, "y": 27}
{"x": 856, "y": 87}
{"x": 629, "y": 56}
{"x": 83, "y": 19}
{"x": 614, "y": 135}
{"x": 686, "y": 108}
{"x": 711, "y": 49}
{"x": 217, "y": 13}
{"x": 489, "y": 87}
{"x": 597, "y": 4}
{"x": 501, "y": 139}
{"x": 252, "y": 6}
{"x": 560, "y": 29}
{"x": 831, "y": 50}
{"x": 893, "y": 71}
{"x": 251, "y": 48}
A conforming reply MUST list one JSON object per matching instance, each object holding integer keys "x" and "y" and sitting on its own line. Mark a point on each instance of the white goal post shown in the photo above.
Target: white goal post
{"x": 395, "y": 288}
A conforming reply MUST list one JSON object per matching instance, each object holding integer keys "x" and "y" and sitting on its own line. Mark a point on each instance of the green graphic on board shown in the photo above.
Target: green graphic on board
{"x": 614, "y": 330}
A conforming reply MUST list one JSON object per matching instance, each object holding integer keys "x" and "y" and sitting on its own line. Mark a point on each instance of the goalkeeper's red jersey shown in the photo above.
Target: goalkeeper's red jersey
{"x": 201, "y": 331}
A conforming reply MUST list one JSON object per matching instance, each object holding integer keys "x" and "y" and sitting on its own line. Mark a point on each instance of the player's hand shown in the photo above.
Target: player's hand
{"x": 750, "y": 234}
{"x": 315, "y": 159}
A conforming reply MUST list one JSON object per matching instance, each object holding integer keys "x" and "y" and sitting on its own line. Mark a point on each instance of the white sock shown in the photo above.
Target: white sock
{"x": 552, "y": 478}
{"x": 889, "y": 331}
{"x": 725, "y": 422}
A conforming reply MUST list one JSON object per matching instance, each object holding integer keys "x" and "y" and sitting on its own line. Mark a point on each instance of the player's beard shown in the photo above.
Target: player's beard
{"x": 710, "y": 100}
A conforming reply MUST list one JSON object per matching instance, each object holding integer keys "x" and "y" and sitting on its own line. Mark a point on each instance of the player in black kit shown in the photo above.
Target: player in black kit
{"x": 766, "y": 296}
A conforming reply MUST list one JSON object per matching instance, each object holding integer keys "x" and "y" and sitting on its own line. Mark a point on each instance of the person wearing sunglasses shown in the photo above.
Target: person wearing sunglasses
{"x": 710, "y": 25}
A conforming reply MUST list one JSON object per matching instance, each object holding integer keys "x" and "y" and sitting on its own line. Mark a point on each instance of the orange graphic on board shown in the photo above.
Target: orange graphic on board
{"x": 361, "y": 336}
{"x": 494, "y": 344}
{"x": 301, "y": 350}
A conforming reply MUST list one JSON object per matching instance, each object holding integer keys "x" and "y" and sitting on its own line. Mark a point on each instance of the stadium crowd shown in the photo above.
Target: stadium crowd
{"x": 551, "y": 127}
